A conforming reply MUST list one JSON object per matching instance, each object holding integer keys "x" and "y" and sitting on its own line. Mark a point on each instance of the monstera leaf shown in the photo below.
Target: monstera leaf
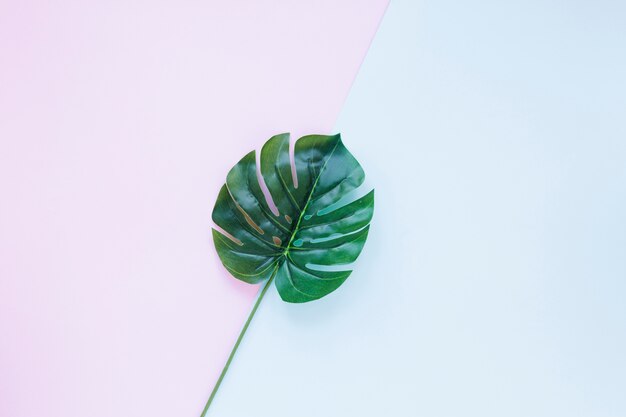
{"x": 304, "y": 240}
{"x": 311, "y": 235}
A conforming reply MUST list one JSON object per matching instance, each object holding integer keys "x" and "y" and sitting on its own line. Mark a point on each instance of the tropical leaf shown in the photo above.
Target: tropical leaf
{"x": 307, "y": 241}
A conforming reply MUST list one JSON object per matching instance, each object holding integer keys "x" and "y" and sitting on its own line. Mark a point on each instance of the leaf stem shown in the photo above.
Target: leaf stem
{"x": 241, "y": 334}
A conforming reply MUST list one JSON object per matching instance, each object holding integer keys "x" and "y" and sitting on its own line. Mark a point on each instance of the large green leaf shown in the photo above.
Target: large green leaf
{"x": 308, "y": 244}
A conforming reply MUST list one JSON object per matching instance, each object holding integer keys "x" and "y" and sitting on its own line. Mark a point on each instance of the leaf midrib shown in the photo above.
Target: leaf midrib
{"x": 308, "y": 200}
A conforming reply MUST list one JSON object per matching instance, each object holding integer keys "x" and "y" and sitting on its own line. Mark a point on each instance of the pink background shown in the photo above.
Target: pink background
{"x": 118, "y": 123}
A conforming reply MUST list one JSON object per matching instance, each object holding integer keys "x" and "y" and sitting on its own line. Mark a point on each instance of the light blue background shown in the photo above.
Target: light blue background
{"x": 494, "y": 280}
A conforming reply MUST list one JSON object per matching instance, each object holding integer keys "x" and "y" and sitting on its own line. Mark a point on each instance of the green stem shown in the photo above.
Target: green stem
{"x": 241, "y": 334}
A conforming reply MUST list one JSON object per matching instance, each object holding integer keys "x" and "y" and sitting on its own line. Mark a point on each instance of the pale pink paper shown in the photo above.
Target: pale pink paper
{"x": 118, "y": 123}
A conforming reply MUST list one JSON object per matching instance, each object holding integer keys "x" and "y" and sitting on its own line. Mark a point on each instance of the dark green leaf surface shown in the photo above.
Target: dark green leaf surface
{"x": 315, "y": 235}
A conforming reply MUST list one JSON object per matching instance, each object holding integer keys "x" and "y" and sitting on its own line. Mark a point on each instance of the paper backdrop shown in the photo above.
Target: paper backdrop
{"x": 118, "y": 123}
{"x": 493, "y": 281}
